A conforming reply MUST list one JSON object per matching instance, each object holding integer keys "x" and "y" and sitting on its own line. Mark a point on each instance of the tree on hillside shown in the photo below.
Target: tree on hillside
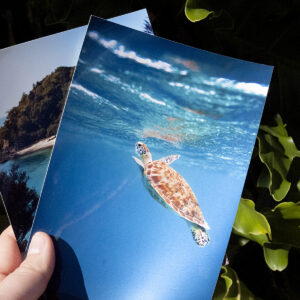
{"x": 38, "y": 114}
{"x": 20, "y": 201}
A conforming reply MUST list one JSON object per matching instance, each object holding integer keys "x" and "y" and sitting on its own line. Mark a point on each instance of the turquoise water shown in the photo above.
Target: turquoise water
{"x": 2, "y": 120}
{"x": 130, "y": 87}
{"x": 34, "y": 164}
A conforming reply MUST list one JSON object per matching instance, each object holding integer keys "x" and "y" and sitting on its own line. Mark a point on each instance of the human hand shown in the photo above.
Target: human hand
{"x": 28, "y": 279}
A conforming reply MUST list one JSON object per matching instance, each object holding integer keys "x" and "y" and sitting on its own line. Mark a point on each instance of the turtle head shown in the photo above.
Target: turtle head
{"x": 142, "y": 150}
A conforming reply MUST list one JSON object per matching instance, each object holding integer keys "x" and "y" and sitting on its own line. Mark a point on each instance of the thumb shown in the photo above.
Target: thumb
{"x": 30, "y": 279}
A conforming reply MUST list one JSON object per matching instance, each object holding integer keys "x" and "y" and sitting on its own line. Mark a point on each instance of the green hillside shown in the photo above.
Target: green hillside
{"x": 38, "y": 113}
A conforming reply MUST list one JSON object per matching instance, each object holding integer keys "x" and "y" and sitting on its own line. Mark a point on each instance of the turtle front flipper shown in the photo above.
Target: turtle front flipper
{"x": 138, "y": 161}
{"x": 200, "y": 235}
{"x": 169, "y": 159}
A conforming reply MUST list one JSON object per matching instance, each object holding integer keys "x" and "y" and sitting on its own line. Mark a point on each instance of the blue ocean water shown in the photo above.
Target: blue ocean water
{"x": 130, "y": 87}
{"x": 2, "y": 120}
{"x": 34, "y": 164}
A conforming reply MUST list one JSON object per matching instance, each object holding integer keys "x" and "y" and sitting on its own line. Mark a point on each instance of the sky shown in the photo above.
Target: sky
{"x": 23, "y": 65}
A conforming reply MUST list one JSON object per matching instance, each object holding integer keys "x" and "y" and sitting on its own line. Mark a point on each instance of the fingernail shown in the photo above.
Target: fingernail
{"x": 37, "y": 243}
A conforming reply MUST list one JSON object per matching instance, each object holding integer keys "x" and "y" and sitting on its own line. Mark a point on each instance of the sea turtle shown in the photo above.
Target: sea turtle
{"x": 171, "y": 190}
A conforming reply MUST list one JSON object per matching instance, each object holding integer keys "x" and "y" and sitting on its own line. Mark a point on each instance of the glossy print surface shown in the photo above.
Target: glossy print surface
{"x": 178, "y": 100}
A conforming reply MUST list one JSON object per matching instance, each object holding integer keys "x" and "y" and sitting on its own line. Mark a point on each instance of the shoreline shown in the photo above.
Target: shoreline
{"x": 40, "y": 145}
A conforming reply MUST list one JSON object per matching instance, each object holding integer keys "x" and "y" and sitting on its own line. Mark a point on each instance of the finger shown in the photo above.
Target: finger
{"x": 30, "y": 279}
{"x": 10, "y": 256}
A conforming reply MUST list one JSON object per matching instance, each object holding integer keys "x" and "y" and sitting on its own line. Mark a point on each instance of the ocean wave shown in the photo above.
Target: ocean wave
{"x": 190, "y": 88}
{"x": 148, "y": 97}
{"x": 96, "y": 70}
{"x": 224, "y": 83}
{"x": 159, "y": 65}
{"x": 120, "y": 50}
{"x": 81, "y": 88}
{"x": 245, "y": 87}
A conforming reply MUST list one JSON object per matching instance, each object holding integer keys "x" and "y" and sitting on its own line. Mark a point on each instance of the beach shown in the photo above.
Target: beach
{"x": 42, "y": 144}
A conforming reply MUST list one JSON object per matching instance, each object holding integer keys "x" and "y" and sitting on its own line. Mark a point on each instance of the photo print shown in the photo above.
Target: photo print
{"x": 148, "y": 166}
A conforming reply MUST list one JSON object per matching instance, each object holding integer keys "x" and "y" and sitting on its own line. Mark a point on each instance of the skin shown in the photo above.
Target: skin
{"x": 25, "y": 279}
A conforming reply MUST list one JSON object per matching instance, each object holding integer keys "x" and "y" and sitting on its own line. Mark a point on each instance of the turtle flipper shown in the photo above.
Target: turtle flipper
{"x": 138, "y": 161}
{"x": 169, "y": 159}
{"x": 200, "y": 235}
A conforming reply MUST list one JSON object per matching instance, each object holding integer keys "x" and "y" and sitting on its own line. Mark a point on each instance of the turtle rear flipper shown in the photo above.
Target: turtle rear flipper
{"x": 200, "y": 235}
{"x": 169, "y": 159}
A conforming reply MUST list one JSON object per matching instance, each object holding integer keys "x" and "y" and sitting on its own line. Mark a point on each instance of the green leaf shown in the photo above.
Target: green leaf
{"x": 251, "y": 224}
{"x": 195, "y": 12}
{"x": 294, "y": 177}
{"x": 264, "y": 179}
{"x": 289, "y": 210}
{"x": 276, "y": 257}
{"x": 284, "y": 223}
{"x": 242, "y": 241}
{"x": 277, "y": 164}
{"x": 277, "y": 151}
{"x": 223, "y": 285}
{"x": 279, "y": 130}
{"x": 284, "y": 220}
{"x": 229, "y": 287}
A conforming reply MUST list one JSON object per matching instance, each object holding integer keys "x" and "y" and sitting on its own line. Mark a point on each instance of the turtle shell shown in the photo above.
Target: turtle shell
{"x": 175, "y": 191}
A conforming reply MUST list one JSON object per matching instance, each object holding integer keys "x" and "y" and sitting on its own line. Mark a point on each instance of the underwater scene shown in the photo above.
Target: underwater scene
{"x": 131, "y": 87}
{"x": 28, "y": 124}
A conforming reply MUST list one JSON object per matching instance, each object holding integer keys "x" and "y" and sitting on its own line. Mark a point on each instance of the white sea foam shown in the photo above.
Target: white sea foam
{"x": 178, "y": 84}
{"x": 199, "y": 91}
{"x": 252, "y": 88}
{"x": 243, "y": 87}
{"x": 96, "y": 70}
{"x": 246, "y": 87}
{"x": 113, "y": 79}
{"x": 93, "y": 35}
{"x": 120, "y": 50}
{"x": 148, "y": 97}
{"x": 108, "y": 44}
{"x": 193, "y": 89}
{"x": 158, "y": 64}
{"x": 81, "y": 88}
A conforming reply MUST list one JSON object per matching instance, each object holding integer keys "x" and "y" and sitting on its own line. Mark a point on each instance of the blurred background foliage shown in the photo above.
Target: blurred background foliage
{"x": 263, "y": 255}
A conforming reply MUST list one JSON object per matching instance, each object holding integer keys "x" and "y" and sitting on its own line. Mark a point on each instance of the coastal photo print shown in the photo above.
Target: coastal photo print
{"x": 35, "y": 95}
{"x": 149, "y": 165}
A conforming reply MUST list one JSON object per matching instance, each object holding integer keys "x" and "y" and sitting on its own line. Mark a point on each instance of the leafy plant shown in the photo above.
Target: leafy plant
{"x": 251, "y": 224}
{"x": 281, "y": 223}
{"x": 195, "y": 10}
{"x": 274, "y": 226}
{"x": 276, "y": 230}
{"x": 277, "y": 151}
{"x": 229, "y": 287}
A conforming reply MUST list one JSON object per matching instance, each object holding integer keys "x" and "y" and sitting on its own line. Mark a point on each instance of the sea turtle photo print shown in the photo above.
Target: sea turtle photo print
{"x": 172, "y": 191}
